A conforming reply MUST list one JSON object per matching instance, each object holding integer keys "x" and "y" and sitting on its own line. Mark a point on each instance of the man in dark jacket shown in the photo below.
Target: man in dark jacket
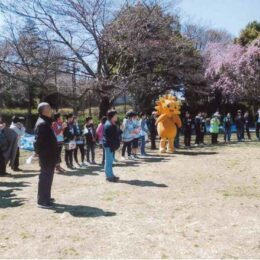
{"x": 240, "y": 124}
{"x": 187, "y": 128}
{"x": 153, "y": 130}
{"x": 111, "y": 142}
{"x": 47, "y": 148}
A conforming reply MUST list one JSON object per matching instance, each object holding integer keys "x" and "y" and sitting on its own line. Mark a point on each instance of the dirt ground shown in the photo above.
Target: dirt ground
{"x": 198, "y": 203}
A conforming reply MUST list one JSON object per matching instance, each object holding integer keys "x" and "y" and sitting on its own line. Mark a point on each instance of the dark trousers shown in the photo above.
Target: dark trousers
{"x": 153, "y": 141}
{"x": 187, "y": 137}
{"x": 69, "y": 157}
{"x": 91, "y": 149}
{"x": 128, "y": 146}
{"x": 240, "y": 134}
{"x": 103, "y": 156}
{"x": 59, "y": 154}
{"x": 2, "y": 164}
{"x": 248, "y": 132}
{"x": 45, "y": 183}
{"x": 214, "y": 138}
{"x": 81, "y": 148}
{"x": 16, "y": 161}
{"x": 257, "y": 130}
{"x": 197, "y": 139}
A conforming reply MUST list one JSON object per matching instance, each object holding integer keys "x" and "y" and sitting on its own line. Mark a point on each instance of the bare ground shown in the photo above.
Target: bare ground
{"x": 199, "y": 203}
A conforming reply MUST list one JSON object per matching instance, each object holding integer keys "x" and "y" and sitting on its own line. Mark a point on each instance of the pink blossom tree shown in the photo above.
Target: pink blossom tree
{"x": 234, "y": 70}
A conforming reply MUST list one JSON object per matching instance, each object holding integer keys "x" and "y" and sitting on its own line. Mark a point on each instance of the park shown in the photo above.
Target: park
{"x": 129, "y": 129}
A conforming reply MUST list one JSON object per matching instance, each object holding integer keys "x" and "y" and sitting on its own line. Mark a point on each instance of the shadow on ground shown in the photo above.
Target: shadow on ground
{"x": 8, "y": 199}
{"x": 195, "y": 153}
{"x": 92, "y": 171}
{"x": 82, "y": 211}
{"x": 140, "y": 183}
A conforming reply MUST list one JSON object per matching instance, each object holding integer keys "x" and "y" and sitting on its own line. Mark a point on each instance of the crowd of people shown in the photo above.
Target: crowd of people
{"x": 53, "y": 134}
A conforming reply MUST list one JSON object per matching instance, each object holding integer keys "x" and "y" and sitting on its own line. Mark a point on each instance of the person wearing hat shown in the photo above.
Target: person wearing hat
{"x": 46, "y": 147}
{"x": 214, "y": 128}
{"x": 240, "y": 124}
{"x": 18, "y": 127}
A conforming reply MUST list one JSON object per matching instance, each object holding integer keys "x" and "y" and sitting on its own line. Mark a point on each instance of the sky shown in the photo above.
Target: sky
{"x": 231, "y": 15}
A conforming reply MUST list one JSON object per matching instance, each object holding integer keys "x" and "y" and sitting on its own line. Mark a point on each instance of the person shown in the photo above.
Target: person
{"x": 143, "y": 132}
{"x": 58, "y": 127}
{"x": 111, "y": 142}
{"x": 187, "y": 128}
{"x": 80, "y": 143}
{"x": 136, "y": 133}
{"x": 203, "y": 127}
{"x": 153, "y": 130}
{"x": 227, "y": 124}
{"x": 90, "y": 135}
{"x": 247, "y": 124}
{"x": 3, "y": 147}
{"x": 46, "y": 147}
{"x": 214, "y": 128}
{"x": 69, "y": 141}
{"x": 128, "y": 135}
{"x": 18, "y": 127}
{"x": 198, "y": 128}
{"x": 239, "y": 120}
{"x": 99, "y": 134}
{"x": 257, "y": 124}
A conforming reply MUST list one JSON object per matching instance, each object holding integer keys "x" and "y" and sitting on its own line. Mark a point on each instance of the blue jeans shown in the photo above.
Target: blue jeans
{"x": 227, "y": 136}
{"x": 109, "y": 159}
{"x": 142, "y": 140}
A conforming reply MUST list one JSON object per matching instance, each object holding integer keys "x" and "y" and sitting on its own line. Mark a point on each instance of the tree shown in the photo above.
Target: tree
{"x": 29, "y": 62}
{"x": 147, "y": 49}
{"x": 235, "y": 71}
{"x": 249, "y": 34}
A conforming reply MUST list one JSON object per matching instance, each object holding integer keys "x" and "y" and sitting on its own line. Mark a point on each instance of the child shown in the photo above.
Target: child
{"x": 128, "y": 135}
{"x": 187, "y": 126}
{"x": 18, "y": 127}
{"x": 247, "y": 124}
{"x": 111, "y": 142}
{"x": 80, "y": 143}
{"x": 90, "y": 135}
{"x": 143, "y": 133}
{"x": 214, "y": 128}
{"x": 69, "y": 141}
{"x": 99, "y": 134}
{"x": 58, "y": 127}
{"x": 136, "y": 133}
{"x": 227, "y": 123}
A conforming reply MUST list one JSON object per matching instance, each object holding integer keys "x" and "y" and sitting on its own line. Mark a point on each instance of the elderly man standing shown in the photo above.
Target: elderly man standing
{"x": 47, "y": 148}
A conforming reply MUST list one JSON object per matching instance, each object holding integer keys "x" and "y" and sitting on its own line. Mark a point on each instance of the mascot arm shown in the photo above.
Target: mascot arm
{"x": 178, "y": 121}
{"x": 161, "y": 118}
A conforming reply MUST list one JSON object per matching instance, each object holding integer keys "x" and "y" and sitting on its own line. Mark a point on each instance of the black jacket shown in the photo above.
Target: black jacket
{"x": 187, "y": 124}
{"x": 111, "y": 136}
{"x": 45, "y": 145}
{"x": 90, "y": 134}
{"x": 70, "y": 133}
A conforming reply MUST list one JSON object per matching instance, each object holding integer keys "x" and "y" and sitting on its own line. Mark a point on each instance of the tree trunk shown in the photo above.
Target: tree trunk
{"x": 104, "y": 106}
{"x": 29, "y": 109}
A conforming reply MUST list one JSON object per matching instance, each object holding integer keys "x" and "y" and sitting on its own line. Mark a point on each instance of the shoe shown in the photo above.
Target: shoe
{"x": 52, "y": 200}
{"x": 123, "y": 158}
{"x": 93, "y": 162}
{"x": 113, "y": 179}
{"x": 5, "y": 175}
{"x": 45, "y": 205}
{"x": 17, "y": 170}
{"x": 132, "y": 157}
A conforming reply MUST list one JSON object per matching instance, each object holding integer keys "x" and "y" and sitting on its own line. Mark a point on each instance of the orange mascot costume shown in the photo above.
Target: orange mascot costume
{"x": 168, "y": 110}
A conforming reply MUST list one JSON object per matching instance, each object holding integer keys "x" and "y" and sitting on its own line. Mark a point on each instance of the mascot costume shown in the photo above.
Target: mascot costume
{"x": 168, "y": 110}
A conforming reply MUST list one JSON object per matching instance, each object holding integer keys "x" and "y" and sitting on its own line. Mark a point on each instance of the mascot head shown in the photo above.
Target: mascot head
{"x": 168, "y": 105}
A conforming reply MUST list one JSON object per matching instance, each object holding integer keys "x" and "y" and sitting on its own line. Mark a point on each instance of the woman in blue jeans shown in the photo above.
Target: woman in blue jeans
{"x": 111, "y": 143}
